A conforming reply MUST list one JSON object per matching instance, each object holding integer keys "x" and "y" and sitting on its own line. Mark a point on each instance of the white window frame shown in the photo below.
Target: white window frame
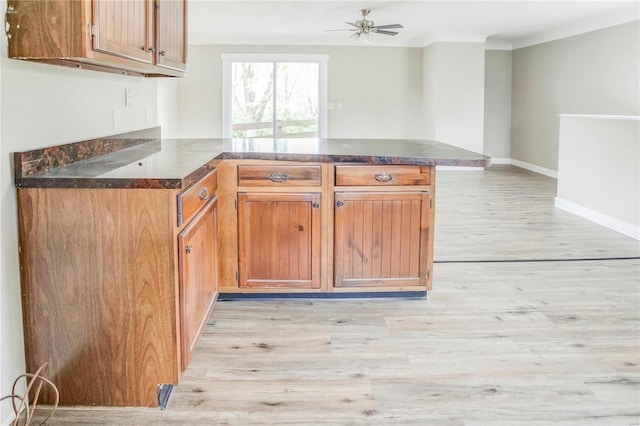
{"x": 230, "y": 58}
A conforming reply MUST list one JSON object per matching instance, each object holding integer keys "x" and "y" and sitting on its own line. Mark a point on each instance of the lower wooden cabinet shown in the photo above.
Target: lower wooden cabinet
{"x": 279, "y": 240}
{"x": 381, "y": 239}
{"x": 114, "y": 293}
{"x": 197, "y": 260}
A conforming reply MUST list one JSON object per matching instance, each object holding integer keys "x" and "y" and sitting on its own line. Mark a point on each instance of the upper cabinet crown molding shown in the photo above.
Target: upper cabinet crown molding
{"x": 144, "y": 37}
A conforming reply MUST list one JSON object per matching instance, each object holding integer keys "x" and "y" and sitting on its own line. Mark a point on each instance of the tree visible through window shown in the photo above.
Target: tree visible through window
{"x": 275, "y": 99}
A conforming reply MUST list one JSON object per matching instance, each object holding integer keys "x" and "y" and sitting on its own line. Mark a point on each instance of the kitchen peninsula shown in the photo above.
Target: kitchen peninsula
{"x": 127, "y": 241}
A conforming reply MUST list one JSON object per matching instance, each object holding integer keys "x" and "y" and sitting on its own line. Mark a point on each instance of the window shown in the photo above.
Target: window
{"x": 274, "y": 95}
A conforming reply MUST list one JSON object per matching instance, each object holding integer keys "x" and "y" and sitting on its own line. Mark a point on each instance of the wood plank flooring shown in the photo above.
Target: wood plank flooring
{"x": 496, "y": 343}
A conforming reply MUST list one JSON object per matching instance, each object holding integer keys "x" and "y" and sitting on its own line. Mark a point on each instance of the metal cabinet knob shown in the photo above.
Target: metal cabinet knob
{"x": 340, "y": 203}
{"x": 279, "y": 177}
{"x": 204, "y": 193}
{"x": 189, "y": 249}
{"x": 383, "y": 177}
{"x": 161, "y": 53}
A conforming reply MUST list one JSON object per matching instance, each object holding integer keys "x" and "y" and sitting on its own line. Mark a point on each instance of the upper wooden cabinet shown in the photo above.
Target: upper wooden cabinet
{"x": 171, "y": 19}
{"x": 124, "y": 28}
{"x": 144, "y": 37}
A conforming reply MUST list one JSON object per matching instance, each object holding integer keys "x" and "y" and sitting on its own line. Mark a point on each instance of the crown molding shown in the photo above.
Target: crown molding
{"x": 615, "y": 17}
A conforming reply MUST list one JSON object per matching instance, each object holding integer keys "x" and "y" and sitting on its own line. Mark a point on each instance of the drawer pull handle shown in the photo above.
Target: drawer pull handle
{"x": 204, "y": 193}
{"x": 383, "y": 177}
{"x": 279, "y": 177}
{"x": 189, "y": 249}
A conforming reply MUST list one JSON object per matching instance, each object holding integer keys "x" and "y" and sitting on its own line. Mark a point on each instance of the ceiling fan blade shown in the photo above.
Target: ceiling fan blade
{"x": 356, "y": 34}
{"x": 386, "y": 32}
{"x": 386, "y": 27}
{"x": 352, "y": 24}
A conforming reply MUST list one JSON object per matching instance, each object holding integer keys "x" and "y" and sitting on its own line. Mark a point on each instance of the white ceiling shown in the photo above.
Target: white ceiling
{"x": 504, "y": 24}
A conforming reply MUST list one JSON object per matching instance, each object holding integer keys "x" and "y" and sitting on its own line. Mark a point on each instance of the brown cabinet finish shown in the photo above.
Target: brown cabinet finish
{"x": 279, "y": 240}
{"x": 99, "y": 303}
{"x": 278, "y": 176}
{"x": 124, "y": 28}
{"x": 381, "y": 239}
{"x": 197, "y": 257}
{"x": 112, "y": 301}
{"x": 119, "y": 36}
{"x": 196, "y": 196}
{"x": 172, "y": 34}
{"x": 380, "y": 174}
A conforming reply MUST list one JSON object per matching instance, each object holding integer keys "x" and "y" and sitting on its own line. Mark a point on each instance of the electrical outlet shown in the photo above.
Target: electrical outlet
{"x": 128, "y": 97}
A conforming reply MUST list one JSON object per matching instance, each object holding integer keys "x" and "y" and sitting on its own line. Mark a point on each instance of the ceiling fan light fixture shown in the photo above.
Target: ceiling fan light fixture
{"x": 366, "y": 27}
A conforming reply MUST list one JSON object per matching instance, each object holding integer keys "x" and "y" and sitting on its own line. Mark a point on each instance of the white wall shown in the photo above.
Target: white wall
{"x": 44, "y": 105}
{"x": 592, "y": 73}
{"x": 380, "y": 89}
{"x": 168, "y": 107}
{"x": 453, "y": 77}
{"x": 599, "y": 170}
{"x": 497, "y": 104}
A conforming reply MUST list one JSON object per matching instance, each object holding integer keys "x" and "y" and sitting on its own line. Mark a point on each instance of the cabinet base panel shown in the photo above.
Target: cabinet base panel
{"x": 354, "y": 295}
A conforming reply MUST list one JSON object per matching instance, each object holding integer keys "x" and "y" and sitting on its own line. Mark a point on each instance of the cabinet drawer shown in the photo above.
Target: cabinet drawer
{"x": 192, "y": 199}
{"x": 275, "y": 175}
{"x": 358, "y": 175}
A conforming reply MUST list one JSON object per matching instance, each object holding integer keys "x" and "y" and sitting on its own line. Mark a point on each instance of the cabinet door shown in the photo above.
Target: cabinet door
{"x": 172, "y": 34}
{"x": 279, "y": 240}
{"x": 198, "y": 276}
{"x": 124, "y": 28}
{"x": 381, "y": 239}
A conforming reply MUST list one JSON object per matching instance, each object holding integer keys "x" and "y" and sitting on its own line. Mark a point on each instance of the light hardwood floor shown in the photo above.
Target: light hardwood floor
{"x": 496, "y": 343}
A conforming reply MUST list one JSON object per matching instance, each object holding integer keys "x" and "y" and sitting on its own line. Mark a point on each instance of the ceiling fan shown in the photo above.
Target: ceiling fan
{"x": 366, "y": 27}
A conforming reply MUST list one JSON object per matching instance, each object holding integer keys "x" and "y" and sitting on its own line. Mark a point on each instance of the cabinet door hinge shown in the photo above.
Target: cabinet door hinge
{"x": 235, "y": 204}
{"x": 237, "y": 276}
{"x": 430, "y": 203}
{"x": 92, "y": 30}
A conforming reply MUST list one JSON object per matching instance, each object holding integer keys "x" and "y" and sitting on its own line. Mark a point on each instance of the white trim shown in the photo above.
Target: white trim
{"x": 611, "y": 18}
{"x": 498, "y": 44}
{"x": 500, "y": 160}
{"x": 274, "y": 57}
{"x": 534, "y": 168}
{"x": 323, "y": 82}
{"x": 459, "y": 168}
{"x": 226, "y": 97}
{"x": 607, "y": 221}
{"x": 603, "y": 117}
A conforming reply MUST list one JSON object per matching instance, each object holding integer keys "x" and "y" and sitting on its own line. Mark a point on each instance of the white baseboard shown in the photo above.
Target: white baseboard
{"x": 607, "y": 221}
{"x": 534, "y": 168}
{"x": 459, "y": 168}
{"x": 527, "y": 166}
{"x": 496, "y": 160}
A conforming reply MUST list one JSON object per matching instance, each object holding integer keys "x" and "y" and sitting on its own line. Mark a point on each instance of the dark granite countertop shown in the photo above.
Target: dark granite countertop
{"x": 176, "y": 163}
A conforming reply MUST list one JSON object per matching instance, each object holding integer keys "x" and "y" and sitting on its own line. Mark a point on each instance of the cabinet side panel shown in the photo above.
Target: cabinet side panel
{"x": 46, "y": 28}
{"x": 227, "y": 226}
{"x": 99, "y": 292}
